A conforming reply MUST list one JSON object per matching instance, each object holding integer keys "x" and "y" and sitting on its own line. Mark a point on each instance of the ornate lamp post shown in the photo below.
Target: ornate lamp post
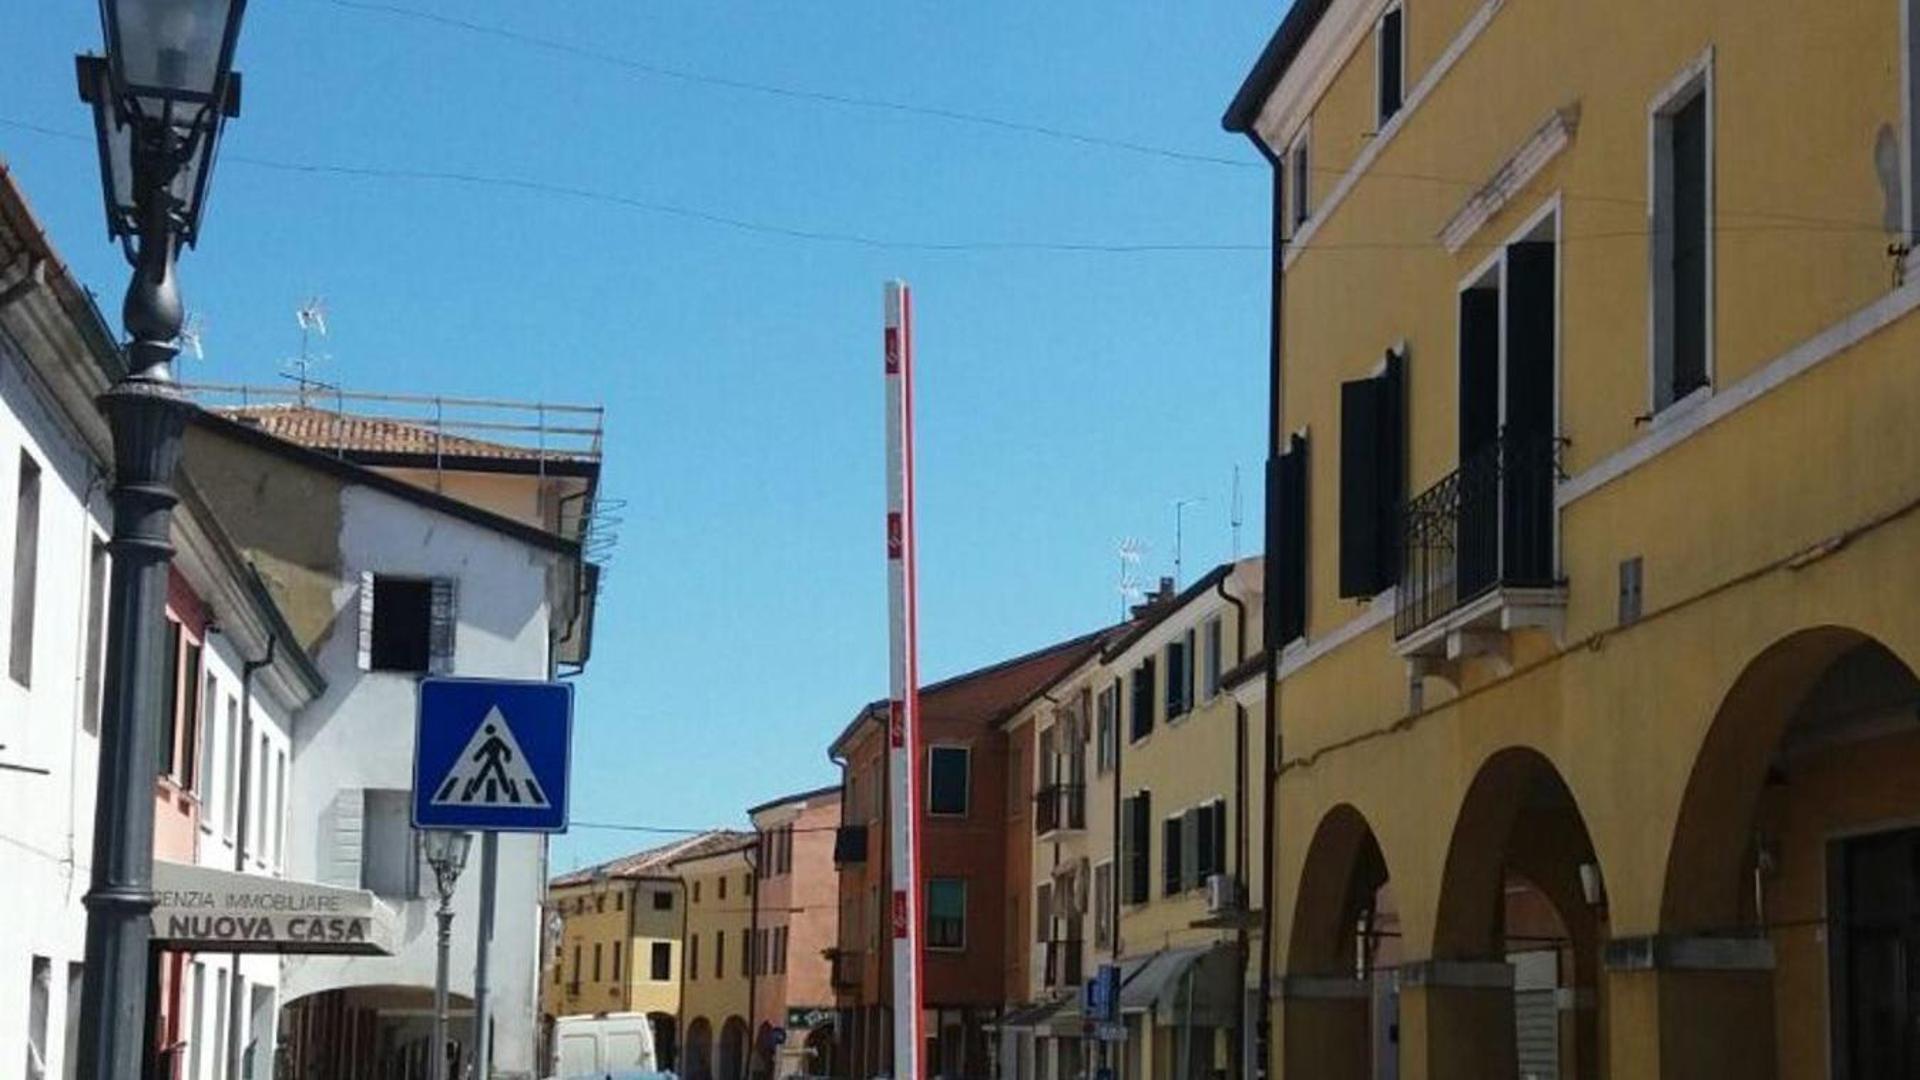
{"x": 159, "y": 97}
{"x": 447, "y": 855}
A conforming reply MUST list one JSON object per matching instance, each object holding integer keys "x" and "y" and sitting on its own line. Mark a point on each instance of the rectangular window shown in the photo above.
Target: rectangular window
{"x": 600, "y": 904}
{"x": 1301, "y": 179}
{"x": 402, "y": 623}
{"x": 39, "y": 1005}
{"x": 1215, "y": 662}
{"x": 693, "y": 957}
{"x": 1172, "y": 866}
{"x": 99, "y": 571}
{"x": 169, "y": 697}
{"x": 619, "y": 902}
{"x": 1391, "y": 56}
{"x": 663, "y": 901}
{"x": 217, "y": 1049}
{"x": 696, "y": 892}
{"x": 26, "y": 570}
{"x": 946, "y": 913}
{"x": 276, "y": 835}
{"x": 596, "y": 961}
{"x": 256, "y": 799}
{"x": 1043, "y": 913}
{"x": 1103, "y": 906}
{"x": 188, "y": 759}
{"x": 196, "y": 1018}
{"x": 1142, "y": 703}
{"x": 722, "y": 886}
{"x": 616, "y": 961}
{"x": 947, "y": 780}
{"x": 232, "y": 738}
{"x": 209, "y": 768}
{"x": 1179, "y": 688}
{"x": 746, "y": 953}
{"x": 1136, "y": 840}
{"x": 1106, "y": 729}
{"x": 1286, "y": 566}
{"x": 576, "y": 967}
{"x": 1682, "y": 238}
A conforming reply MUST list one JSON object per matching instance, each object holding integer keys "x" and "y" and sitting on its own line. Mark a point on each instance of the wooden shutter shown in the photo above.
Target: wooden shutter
{"x": 1360, "y": 494}
{"x": 1129, "y": 839}
{"x": 345, "y": 839}
{"x": 1173, "y": 853}
{"x": 445, "y": 615}
{"x": 1193, "y": 670}
{"x": 1220, "y": 861}
{"x": 365, "y": 655}
{"x": 1197, "y": 843}
{"x": 1286, "y": 567}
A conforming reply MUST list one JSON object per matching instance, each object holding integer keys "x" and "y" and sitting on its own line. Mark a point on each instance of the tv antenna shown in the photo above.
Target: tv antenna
{"x": 1179, "y": 528}
{"x": 1235, "y": 518}
{"x": 193, "y": 335}
{"x": 1131, "y": 551}
{"x": 312, "y": 317}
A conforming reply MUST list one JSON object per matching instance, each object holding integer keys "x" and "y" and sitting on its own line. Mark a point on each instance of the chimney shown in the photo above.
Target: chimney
{"x": 1158, "y": 598}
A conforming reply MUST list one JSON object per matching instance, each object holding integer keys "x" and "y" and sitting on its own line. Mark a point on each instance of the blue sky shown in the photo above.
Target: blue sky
{"x": 1066, "y": 398}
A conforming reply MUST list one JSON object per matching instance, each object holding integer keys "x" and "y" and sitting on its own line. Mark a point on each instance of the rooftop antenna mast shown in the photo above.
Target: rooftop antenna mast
{"x": 312, "y": 317}
{"x": 193, "y": 335}
{"x": 1179, "y": 527}
{"x": 1236, "y": 518}
{"x": 1131, "y": 551}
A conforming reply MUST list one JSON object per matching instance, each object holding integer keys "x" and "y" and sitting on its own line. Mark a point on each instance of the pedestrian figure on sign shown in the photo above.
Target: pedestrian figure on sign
{"x": 493, "y": 755}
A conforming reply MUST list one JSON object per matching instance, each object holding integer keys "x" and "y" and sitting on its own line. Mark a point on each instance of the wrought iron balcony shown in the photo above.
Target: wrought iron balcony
{"x": 1066, "y": 962}
{"x": 1060, "y": 806}
{"x": 1485, "y": 526}
{"x": 849, "y": 845}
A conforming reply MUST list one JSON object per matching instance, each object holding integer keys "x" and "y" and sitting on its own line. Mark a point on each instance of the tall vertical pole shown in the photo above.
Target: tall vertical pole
{"x": 903, "y": 712}
{"x": 482, "y": 1005}
{"x": 443, "y": 942}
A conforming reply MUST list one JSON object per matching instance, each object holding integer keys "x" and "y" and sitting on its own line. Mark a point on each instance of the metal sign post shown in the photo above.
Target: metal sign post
{"x": 903, "y": 698}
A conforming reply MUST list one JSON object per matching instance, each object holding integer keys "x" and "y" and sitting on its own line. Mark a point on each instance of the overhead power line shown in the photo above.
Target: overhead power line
{"x": 851, "y": 101}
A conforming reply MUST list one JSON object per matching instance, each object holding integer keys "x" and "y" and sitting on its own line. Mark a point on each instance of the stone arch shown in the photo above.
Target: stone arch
{"x": 730, "y": 1059}
{"x": 1343, "y": 868}
{"x": 666, "y": 1041}
{"x": 1703, "y": 890}
{"x": 699, "y": 1051}
{"x": 1340, "y": 988}
{"x": 1518, "y": 928}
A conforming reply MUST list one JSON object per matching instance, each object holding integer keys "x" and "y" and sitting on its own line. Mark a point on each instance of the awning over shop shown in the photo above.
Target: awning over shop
{"x": 201, "y": 908}
{"x": 1201, "y": 983}
{"x": 1028, "y": 1017}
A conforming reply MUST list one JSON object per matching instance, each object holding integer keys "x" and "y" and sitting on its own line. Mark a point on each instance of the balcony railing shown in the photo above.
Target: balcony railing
{"x": 1487, "y": 525}
{"x": 845, "y": 964}
{"x": 1060, "y": 806}
{"x": 1066, "y": 962}
{"x": 850, "y": 845}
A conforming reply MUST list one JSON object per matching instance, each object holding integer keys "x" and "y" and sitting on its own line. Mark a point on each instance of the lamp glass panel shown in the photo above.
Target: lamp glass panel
{"x": 170, "y": 46}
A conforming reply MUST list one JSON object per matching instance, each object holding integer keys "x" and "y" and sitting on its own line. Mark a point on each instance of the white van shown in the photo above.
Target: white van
{"x": 600, "y": 1043}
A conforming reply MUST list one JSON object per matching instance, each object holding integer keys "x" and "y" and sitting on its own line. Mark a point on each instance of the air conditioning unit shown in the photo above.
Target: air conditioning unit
{"x": 1223, "y": 894}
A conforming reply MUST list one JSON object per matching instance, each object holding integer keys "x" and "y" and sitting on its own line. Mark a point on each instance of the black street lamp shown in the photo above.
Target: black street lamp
{"x": 160, "y": 98}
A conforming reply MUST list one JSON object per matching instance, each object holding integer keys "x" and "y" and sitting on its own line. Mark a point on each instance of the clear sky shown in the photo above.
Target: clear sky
{"x": 1066, "y": 398}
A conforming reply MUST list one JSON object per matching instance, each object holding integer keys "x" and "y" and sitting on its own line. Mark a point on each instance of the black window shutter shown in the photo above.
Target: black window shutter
{"x": 1143, "y": 847}
{"x": 1390, "y": 65}
{"x": 1393, "y": 465}
{"x": 1170, "y": 856}
{"x": 1198, "y": 840}
{"x": 1286, "y": 568}
{"x": 1219, "y": 836}
{"x": 1689, "y": 150}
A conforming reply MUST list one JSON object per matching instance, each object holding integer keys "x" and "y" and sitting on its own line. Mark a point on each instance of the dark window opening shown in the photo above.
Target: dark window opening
{"x": 402, "y": 624}
{"x": 1372, "y": 479}
{"x": 1173, "y": 854}
{"x": 1688, "y": 145}
{"x": 187, "y": 763}
{"x": 947, "y": 780}
{"x": 946, "y": 913}
{"x": 1141, "y": 722}
{"x": 663, "y": 901}
{"x": 169, "y": 698}
{"x": 1136, "y": 842}
{"x": 26, "y": 570}
{"x": 660, "y": 961}
{"x": 98, "y": 571}
{"x": 1286, "y": 567}
{"x": 1392, "y": 60}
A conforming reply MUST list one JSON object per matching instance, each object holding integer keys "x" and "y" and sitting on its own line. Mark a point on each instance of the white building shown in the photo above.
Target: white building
{"x": 386, "y": 580}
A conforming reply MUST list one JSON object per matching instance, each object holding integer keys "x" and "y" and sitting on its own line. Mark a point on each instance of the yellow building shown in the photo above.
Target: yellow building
{"x": 615, "y": 933}
{"x": 722, "y": 959}
{"x": 1591, "y": 549}
{"x": 1187, "y": 806}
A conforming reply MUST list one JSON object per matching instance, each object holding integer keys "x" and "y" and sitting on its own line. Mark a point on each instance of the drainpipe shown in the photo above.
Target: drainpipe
{"x": 1263, "y": 1045}
{"x": 243, "y": 740}
{"x": 754, "y": 957}
{"x": 1239, "y": 776}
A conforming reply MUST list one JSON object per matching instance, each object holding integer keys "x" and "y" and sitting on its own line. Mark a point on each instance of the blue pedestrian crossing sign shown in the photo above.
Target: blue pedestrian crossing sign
{"x": 491, "y": 755}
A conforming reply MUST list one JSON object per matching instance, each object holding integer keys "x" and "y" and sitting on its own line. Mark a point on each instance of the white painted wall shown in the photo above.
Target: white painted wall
{"x": 46, "y": 830}
{"x": 268, "y": 742}
{"x": 360, "y": 736}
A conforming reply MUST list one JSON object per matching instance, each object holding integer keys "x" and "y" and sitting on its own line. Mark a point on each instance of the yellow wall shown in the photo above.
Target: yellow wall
{"x": 621, "y": 911}
{"x": 1801, "y": 94}
{"x": 710, "y": 994}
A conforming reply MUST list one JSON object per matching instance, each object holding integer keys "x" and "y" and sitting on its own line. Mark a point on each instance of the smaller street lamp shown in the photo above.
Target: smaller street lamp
{"x": 447, "y": 855}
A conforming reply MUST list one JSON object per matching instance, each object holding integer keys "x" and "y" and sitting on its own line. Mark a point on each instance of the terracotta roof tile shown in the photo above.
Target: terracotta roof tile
{"x": 658, "y": 861}
{"x": 353, "y": 433}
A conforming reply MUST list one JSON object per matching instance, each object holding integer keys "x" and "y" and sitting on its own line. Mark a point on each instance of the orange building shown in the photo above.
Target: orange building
{"x": 796, "y": 903}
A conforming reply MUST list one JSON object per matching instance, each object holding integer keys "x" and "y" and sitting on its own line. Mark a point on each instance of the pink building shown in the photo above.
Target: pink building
{"x": 797, "y": 905}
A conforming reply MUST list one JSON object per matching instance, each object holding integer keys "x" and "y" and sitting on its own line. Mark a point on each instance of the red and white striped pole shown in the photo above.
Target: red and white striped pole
{"x": 903, "y": 697}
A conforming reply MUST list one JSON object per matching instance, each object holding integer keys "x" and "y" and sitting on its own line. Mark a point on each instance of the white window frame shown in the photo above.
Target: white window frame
{"x": 966, "y": 790}
{"x": 965, "y": 930}
{"x": 1380, "y": 120}
{"x": 1213, "y": 646}
{"x": 1694, "y": 80}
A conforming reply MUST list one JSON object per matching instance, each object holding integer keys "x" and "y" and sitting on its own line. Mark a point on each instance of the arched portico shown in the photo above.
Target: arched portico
{"x": 1340, "y": 985}
{"x": 699, "y": 1050}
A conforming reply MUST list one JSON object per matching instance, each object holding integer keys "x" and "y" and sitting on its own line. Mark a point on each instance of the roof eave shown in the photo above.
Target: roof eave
{"x": 1271, "y": 67}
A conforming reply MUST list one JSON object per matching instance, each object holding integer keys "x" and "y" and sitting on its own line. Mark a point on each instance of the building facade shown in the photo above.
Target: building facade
{"x": 726, "y": 954}
{"x": 797, "y": 904}
{"x": 963, "y": 818}
{"x": 1590, "y": 537}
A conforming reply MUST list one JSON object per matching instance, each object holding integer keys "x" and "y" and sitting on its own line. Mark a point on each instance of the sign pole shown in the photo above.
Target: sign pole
{"x": 903, "y": 699}
{"x": 482, "y": 1006}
